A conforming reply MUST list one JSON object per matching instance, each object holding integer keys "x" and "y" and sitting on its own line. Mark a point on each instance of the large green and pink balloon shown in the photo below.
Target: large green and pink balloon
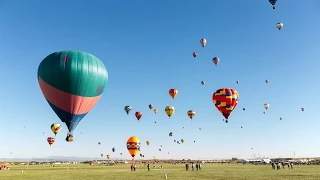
{"x": 72, "y": 82}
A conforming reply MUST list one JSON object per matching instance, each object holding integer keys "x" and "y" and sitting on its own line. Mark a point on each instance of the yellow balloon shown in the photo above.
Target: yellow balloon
{"x": 55, "y": 128}
{"x": 108, "y": 156}
{"x": 169, "y": 111}
{"x": 191, "y": 114}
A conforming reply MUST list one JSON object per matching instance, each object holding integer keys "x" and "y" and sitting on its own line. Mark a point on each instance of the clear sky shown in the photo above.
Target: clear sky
{"x": 147, "y": 48}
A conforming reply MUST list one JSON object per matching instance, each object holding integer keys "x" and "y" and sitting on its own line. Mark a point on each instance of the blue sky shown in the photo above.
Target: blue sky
{"x": 147, "y": 48}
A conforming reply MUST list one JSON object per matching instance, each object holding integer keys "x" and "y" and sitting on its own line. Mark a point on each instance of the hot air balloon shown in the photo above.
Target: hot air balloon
{"x": 72, "y": 82}
{"x": 264, "y": 112}
{"x": 194, "y": 141}
{"x": 169, "y": 111}
{"x": 174, "y": 140}
{"x": 182, "y": 141}
{"x": 121, "y": 154}
{"x": 51, "y": 140}
{"x": 244, "y": 109}
{"x": 266, "y": 106}
{"x": 241, "y": 127}
{"x": 55, "y": 128}
{"x": 302, "y": 109}
{"x": 101, "y": 155}
{"x": 280, "y": 118}
{"x": 279, "y": 25}
{"x": 203, "y": 42}
{"x": 138, "y": 115}
{"x": 225, "y": 100}
{"x": 200, "y": 129}
{"x": 178, "y": 142}
{"x": 216, "y": 60}
{"x": 273, "y": 3}
{"x": 170, "y": 134}
{"x": 108, "y": 156}
{"x": 194, "y": 54}
{"x": 267, "y": 81}
{"x": 127, "y": 109}
{"x": 99, "y": 143}
{"x": 203, "y": 82}
{"x": 237, "y": 82}
{"x": 173, "y": 93}
{"x": 155, "y": 111}
{"x": 148, "y": 143}
{"x": 159, "y": 149}
{"x": 150, "y": 106}
{"x": 133, "y": 146}
{"x": 113, "y": 149}
{"x": 191, "y": 114}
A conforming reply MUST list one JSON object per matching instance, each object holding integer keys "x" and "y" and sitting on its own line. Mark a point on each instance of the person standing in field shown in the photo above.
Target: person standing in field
{"x": 200, "y": 166}
{"x": 148, "y": 166}
{"x": 272, "y": 164}
{"x": 187, "y": 166}
{"x": 131, "y": 167}
{"x": 192, "y": 166}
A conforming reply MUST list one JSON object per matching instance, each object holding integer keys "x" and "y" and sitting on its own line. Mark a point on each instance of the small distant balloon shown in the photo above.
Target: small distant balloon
{"x": 191, "y": 114}
{"x": 194, "y": 54}
{"x": 216, "y": 60}
{"x": 173, "y": 93}
{"x": 169, "y": 111}
{"x": 51, "y": 140}
{"x": 279, "y": 26}
{"x": 203, "y": 42}
{"x": 138, "y": 115}
{"x": 127, "y": 109}
{"x": 273, "y": 3}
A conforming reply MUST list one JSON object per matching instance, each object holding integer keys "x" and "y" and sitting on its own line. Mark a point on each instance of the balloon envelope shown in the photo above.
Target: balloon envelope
{"x": 133, "y": 145}
{"x": 72, "y": 82}
{"x": 225, "y": 100}
{"x": 55, "y": 128}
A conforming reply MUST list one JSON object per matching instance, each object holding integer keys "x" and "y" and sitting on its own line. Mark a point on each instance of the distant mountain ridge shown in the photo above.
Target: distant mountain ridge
{"x": 58, "y": 158}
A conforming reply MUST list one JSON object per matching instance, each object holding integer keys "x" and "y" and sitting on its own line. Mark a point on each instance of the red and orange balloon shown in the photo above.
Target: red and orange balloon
{"x": 226, "y": 100}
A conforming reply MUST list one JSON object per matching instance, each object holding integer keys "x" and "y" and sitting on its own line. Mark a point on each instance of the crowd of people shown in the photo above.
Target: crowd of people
{"x": 278, "y": 165}
{"x": 198, "y": 166}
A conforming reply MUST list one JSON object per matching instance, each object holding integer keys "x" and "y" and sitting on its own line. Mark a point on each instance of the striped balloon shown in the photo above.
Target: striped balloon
{"x": 72, "y": 83}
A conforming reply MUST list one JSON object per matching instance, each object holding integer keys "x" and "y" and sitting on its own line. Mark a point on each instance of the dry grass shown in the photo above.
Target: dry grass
{"x": 174, "y": 172}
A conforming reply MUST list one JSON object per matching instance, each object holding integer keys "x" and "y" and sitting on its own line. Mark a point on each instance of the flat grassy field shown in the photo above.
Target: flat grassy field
{"x": 174, "y": 172}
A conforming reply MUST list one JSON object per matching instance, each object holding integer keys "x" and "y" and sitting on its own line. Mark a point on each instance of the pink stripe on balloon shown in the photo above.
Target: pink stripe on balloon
{"x": 65, "y": 101}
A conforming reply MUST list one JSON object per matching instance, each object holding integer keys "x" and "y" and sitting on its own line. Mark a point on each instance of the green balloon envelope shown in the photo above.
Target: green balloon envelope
{"x": 72, "y": 83}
